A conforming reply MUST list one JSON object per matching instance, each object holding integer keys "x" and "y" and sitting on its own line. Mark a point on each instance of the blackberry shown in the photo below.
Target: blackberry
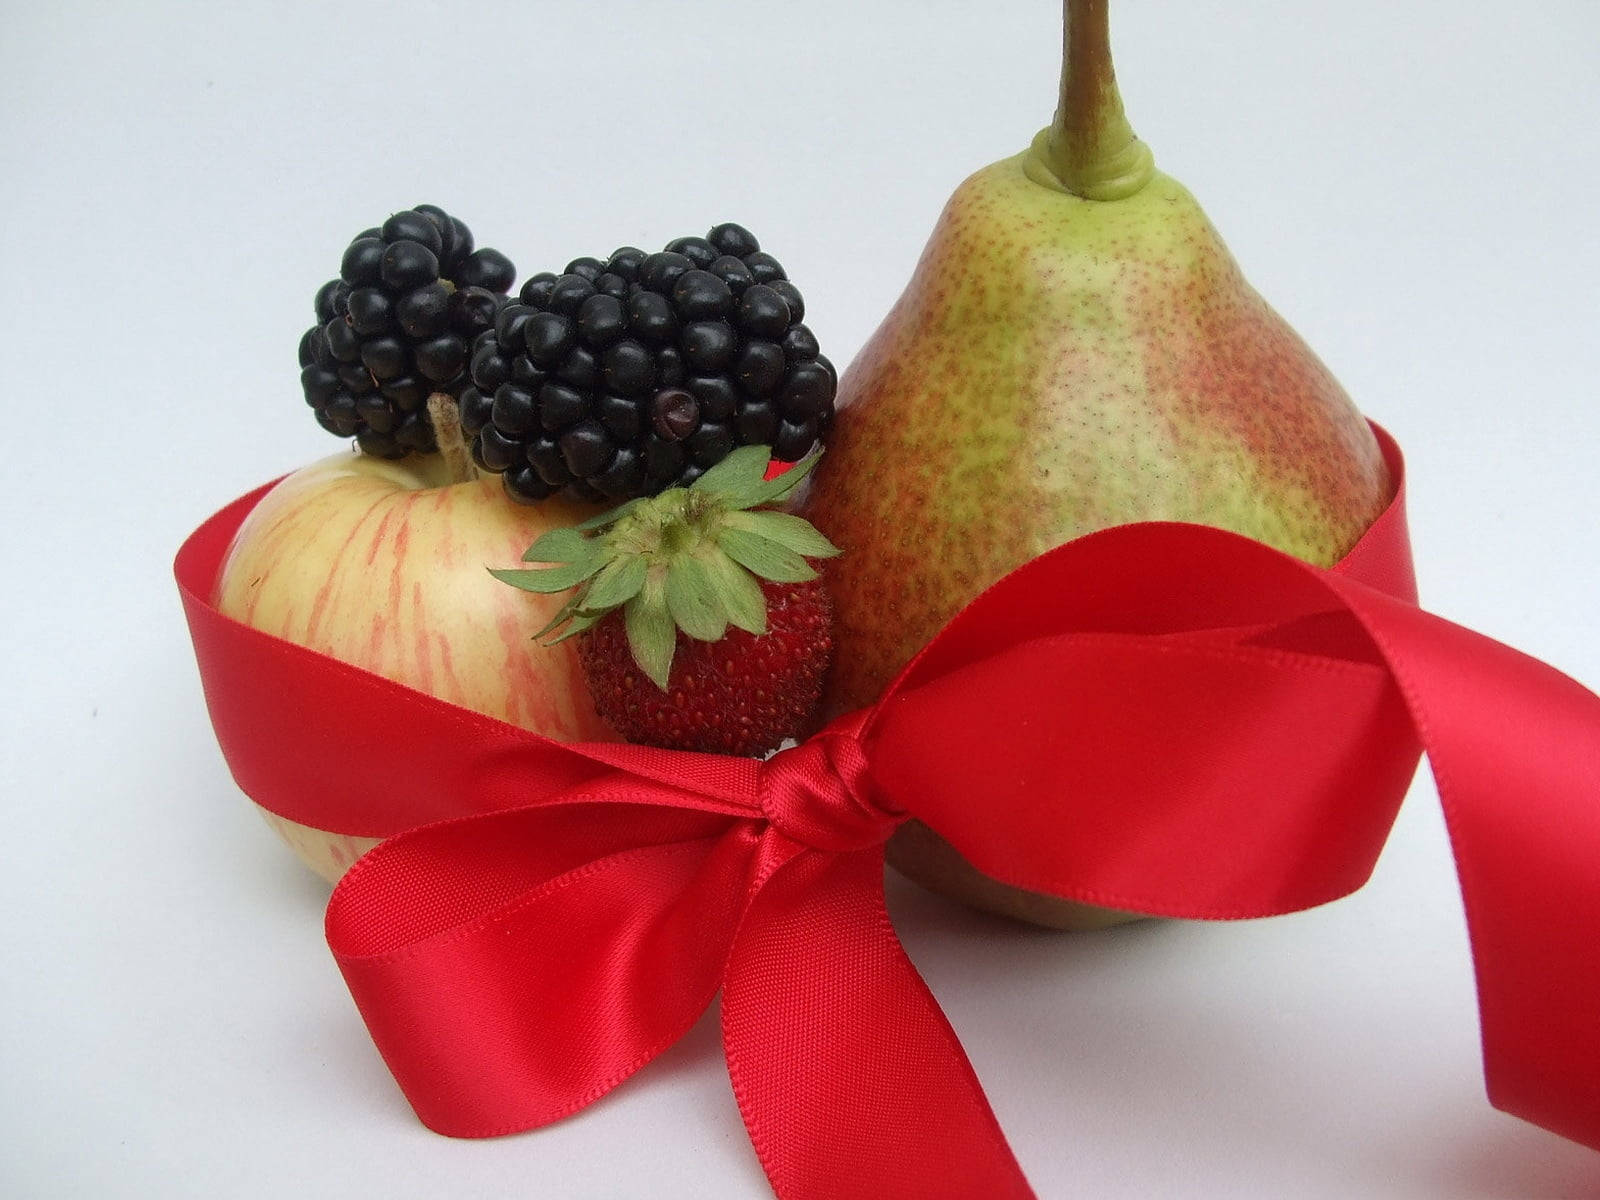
{"x": 406, "y": 316}
{"x": 624, "y": 377}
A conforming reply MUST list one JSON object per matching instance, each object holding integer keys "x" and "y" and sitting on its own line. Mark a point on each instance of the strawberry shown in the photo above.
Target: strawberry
{"x": 704, "y": 625}
{"x": 742, "y": 694}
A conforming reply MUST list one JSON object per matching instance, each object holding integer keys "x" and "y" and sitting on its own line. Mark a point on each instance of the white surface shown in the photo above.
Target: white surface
{"x": 1411, "y": 184}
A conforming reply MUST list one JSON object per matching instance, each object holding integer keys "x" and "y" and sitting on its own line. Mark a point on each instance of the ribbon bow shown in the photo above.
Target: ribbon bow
{"x": 1161, "y": 718}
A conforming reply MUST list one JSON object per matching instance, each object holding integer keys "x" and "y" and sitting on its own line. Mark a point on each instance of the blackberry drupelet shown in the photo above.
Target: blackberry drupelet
{"x": 626, "y": 377}
{"x": 412, "y": 297}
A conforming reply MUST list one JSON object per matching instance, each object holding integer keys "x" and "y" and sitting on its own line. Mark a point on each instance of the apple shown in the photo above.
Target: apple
{"x": 383, "y": 564}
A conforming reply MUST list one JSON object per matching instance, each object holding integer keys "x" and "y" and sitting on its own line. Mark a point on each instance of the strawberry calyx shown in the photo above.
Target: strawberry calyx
{"x": 687, "y": 559}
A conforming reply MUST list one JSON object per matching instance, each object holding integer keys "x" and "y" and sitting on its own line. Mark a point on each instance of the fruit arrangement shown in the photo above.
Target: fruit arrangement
{"x": 486, "y": 423}
{"x": 618, "y": 505}
{"x": 1075, "y": 350}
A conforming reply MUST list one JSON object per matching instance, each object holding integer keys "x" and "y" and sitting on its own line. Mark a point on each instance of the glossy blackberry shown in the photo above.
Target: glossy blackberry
{"x": 404, "y": 319}
{"x": 623, "y": 377}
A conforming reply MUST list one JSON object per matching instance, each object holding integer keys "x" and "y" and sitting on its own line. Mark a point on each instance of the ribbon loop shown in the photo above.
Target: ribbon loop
{"x": 819, "y": 793}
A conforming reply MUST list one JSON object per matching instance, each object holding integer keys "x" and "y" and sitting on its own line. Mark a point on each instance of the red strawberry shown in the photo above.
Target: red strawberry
{"x": 742, "y": 694}
{"x": 704, "y": 625}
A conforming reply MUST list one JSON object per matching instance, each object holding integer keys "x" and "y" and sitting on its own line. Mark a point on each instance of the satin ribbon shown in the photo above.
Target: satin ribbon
{"x": 1160, "y": 718}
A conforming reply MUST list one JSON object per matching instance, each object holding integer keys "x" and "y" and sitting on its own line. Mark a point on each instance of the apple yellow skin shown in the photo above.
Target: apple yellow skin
{"x": 384, "y": 565}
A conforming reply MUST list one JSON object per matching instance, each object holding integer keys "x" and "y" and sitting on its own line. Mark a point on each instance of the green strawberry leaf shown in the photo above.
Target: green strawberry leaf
{"x": 737, "y": 475}
{"x": 563, "y": 615}
{"x": 652, "y": 637}
{"x": 581, "y": 622}
{"x": 740, "y": 594}
{"x": 559, "y": 546}
{"x": 781, "y": 487}
{"x": 767, "y": 558}
{"x": 693, "y": 601}
{"x": 795, "y": 533}
{"x": 553, "y": 579}
{"x": 618, "y": 582}
{"x": 608, "y": 518}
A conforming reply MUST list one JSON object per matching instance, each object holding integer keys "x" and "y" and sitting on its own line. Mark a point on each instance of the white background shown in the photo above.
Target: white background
{"x": 1413, "y": 184}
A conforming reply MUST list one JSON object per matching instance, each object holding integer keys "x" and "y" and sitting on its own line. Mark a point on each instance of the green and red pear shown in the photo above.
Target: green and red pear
{"x": 1076, "y": 349}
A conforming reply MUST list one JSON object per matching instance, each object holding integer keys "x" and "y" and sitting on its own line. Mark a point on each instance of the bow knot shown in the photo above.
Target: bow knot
{"x": 820, "y": 794}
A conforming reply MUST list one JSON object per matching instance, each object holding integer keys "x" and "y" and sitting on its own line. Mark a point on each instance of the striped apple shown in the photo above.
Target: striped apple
{"x": 383, "y": 565}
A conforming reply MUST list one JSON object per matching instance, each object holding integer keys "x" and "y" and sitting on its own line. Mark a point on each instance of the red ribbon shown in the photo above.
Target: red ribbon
{"x": 1162, "y": 718}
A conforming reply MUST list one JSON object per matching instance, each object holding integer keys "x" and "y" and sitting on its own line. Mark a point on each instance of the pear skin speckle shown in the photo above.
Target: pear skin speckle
{"x": 1058, "y": 366}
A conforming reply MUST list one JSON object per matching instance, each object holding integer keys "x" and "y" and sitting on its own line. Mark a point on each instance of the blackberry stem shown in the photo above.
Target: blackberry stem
{"x": 445, "y": 417}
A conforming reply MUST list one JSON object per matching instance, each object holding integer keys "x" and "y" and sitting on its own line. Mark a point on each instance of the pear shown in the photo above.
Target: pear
{"x": 1076, "y": 349}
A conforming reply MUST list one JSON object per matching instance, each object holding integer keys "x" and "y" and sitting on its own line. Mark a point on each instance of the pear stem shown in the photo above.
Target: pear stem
{"x": 445, "y": 418}
{"x": 1090, "y": 149}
